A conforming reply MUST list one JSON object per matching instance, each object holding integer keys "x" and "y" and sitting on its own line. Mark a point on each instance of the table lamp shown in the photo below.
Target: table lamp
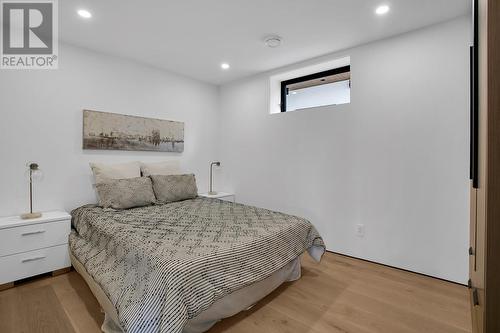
{"x": 34, "y": 174}
{"x": 211, "y": 191}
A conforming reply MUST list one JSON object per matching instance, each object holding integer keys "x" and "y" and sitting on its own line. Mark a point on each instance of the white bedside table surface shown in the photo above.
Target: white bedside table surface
{"x": 218, "y": 195}
{"x": 16, "y": 221}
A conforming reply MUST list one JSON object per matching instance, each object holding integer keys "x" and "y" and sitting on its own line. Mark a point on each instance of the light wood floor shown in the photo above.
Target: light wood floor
{"x": 339, "y": 295}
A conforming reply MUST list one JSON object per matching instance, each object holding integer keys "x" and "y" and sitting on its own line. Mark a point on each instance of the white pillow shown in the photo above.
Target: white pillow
{"x": 165, "y": 168}
{"x": 115, "y": 171}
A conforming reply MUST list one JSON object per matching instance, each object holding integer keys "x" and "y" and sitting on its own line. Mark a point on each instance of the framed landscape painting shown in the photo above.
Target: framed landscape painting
{"x": 111, "y": 131}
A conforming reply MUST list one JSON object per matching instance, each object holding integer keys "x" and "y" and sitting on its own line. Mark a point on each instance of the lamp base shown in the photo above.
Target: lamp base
{"x": 212, "y": 193}
{"x": 29, "y": 216}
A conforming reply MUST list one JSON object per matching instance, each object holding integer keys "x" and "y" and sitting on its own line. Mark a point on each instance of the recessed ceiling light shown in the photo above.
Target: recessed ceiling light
{"x": 224, "y": 65}
{"x": 294, "y": 93}
{"x": 84, "y": 13}
{"x": 381, "y": 10}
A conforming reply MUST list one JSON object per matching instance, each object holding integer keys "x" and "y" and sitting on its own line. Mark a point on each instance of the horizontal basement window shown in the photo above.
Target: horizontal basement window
{"x": 330, "y": 87}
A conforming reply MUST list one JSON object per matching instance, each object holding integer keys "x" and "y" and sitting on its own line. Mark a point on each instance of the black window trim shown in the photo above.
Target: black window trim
{"x": 308, "y": 77}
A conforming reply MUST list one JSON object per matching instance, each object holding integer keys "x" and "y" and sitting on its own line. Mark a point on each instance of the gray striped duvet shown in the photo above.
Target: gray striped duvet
{"x": 162, "y": 265}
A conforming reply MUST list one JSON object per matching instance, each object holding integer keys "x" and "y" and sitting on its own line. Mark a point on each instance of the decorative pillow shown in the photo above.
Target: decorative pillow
{"x": 160, "y": 168}
{"x": 103, "y": 172}
{"x": 172, "y": 188}
{"x": 126, "y": 193}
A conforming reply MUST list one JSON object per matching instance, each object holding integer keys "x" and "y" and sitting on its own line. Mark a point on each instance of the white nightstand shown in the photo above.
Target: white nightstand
{"x": 220, "y": 195}
{"x": 32, "y": 247}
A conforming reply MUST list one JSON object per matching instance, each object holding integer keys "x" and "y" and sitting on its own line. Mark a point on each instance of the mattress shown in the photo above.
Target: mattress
{"x": 161, "y": 266}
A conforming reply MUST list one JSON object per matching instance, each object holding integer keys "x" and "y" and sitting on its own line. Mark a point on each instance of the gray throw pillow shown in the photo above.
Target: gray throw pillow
{"x": 170, "y": 188}
{"x": 126, "y": 193}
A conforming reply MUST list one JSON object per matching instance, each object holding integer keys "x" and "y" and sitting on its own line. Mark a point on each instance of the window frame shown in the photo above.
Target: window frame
{"x": 339, "y": 70}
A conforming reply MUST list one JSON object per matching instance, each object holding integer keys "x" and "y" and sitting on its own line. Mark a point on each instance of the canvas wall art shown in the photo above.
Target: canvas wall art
{"x": 111, "y": 131}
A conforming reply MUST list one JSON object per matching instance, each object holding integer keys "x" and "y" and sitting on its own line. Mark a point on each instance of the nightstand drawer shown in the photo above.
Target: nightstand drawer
{"x": 23, "y": 265}
{"x": 227, "y": 198}
{"x": 32, "y": 237}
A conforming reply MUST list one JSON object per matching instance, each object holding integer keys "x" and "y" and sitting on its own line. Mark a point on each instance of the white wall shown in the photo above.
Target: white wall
{"x": 41, "y": 120}
{"x": 395, "y": 159}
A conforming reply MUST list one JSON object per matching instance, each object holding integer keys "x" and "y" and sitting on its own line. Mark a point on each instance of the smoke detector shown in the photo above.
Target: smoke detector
{"x": 272, "y": 41}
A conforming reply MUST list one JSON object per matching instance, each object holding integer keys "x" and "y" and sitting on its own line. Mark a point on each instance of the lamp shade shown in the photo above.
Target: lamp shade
{"x": 36, "y": 173}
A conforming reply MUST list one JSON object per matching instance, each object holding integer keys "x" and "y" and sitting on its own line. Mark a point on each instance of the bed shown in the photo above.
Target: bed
{"x": 182, "y": 266}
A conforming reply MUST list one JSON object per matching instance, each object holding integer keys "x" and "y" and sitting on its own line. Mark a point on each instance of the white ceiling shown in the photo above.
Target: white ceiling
{"x": 193, "y": 37}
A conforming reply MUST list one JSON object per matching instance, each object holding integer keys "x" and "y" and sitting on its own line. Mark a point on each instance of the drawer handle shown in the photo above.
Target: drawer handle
{"x": 33, "y": 233}
{"x": 33, "y": 259}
